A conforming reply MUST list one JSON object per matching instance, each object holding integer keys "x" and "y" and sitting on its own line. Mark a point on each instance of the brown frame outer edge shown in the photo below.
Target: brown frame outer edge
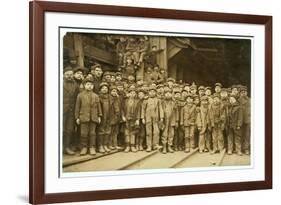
{"x": 36, "y": 104}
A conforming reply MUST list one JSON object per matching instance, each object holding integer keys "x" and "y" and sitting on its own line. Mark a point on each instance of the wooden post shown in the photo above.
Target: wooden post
{"x": 78, "y": 47}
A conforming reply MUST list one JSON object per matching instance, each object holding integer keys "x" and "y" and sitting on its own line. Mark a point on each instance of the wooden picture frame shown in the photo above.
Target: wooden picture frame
{"x": 37, "y": 11}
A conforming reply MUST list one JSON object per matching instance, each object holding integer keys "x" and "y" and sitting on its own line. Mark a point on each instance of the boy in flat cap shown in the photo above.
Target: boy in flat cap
{"x": 217, "y": 119}
{"x": 70, "y": 92}
{"x": 96, "y": 72}
{"x": 245, "y": 102}
{"x": 130, "y": 113}
{"x": 171, "y": 120}
{"x": 140, "y": 134}
{"x": 204, "y": 127}
{"x": 188, "y": 117}
{"x": 116, "y": 117}
{"x": 152, "y": 114}
{"x": 88, "y": 114}
{"x": 235, "y": 123}
{"x": 79, "y": 77}
{"x": 218, "y": 87}
{"x": 179, "y": 129}
{"x": 104, "y": 127}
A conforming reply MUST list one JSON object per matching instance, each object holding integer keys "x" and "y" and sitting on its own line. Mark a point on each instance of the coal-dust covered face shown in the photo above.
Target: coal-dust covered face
{"x": 68, "y": 75}
{"x": 218, "y": 89}
{"x": 98, "y": 72}
{"x": 168, "y": 95}
{"x": 89, "y": 86}
{"x": 104, "y": 90}
{"x": 160, "y": 90}
{"x": 131, "y": 78}
{"x": 208, "y": 92}
{"x": 114, "y": 92}
{"x": 132, "y": 94}
{"x": 113, "y": 79}
{"x": 186, "y": 88}
{"x": 78, "y": 75}
{"x": 177, "y": 96}
{"x": 216, "y": 100}
{"x": 196, "y": 101}
{"x": 204, "y": 102}
{"x": 152, "y": 93}
{"x": 201, "y": 92}
{"x": 234, "y": 91}
{"x": 243, "y": 93}
{"x": 170, "y": 83}
{"x": 232, "y": 100}
{"x": 193, "y": 91}
{"x": 224, "y": 94}
{"x": 184, "y": 94}
{"x": 129, "y": 61}
{"x": 118, "y": 77}
{"x": 107, "y": 78}
{"x": 141, "y": 95}
{"x": 189, "y": 100}
{"x": 120, "y": 88}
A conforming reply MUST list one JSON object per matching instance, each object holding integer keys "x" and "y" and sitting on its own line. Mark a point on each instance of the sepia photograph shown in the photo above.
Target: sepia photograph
{"x": 152, "y": 102}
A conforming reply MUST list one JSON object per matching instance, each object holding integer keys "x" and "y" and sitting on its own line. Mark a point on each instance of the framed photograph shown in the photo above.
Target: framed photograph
{"x": 132, "y": 102}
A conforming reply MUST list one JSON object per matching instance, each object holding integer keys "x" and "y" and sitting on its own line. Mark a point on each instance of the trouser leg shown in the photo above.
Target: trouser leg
{"x": 215, "y": 139}
{"x": 208, "y": 140}
{"x": 230, "y": 140}
{"x": 202, "y": 141}
{"x": 92, "y": 130}
{"x": 68, "y": 129}
{"x": 84, "y": 128}
{"x": 220, "y": 139}
{"x": 237, "y": 140}
{"x": 171, "y": 134}
{"x": 155, "y": 138}
{"x": 148, "y": 128}
{"x": 246, "y": 137}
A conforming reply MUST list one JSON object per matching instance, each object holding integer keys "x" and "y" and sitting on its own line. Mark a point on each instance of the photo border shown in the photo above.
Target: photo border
{"x": 37, "y": 101}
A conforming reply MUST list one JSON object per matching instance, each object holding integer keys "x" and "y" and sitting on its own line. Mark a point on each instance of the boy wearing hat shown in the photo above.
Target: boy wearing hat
{"x": 78, "y": 77}
{"x": 201, "y": 91}
{"x": 106, "y": 77}
{"x": 171, "y": 120}
{"x": 203, "y": 124}
{"x": 96, "y": 71}
{"x": 116, "y": 117}
{"x": 179, "y": 129}
{"x": 218, "y": 87}
{"x": 245, "y": 102}
{"x": 188, "y": 117}
{"x": 217, "y": 119}
{"x": 140, "y": 135}
{"x": 88, "y": 114}
{"x": 70, "y": 92}
{"x": 171, "y": 82}
{"x": 104, "y": 127}
{"x": 130, "y": 116}
{"x": 235, "y": 123}
{"x": 152, "y": 114}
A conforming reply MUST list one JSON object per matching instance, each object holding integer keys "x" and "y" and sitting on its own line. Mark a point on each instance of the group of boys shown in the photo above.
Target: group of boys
{"x": 107, "y": 112}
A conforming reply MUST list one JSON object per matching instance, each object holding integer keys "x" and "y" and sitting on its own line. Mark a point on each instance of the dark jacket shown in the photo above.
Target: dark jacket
{"x": 70, "y": 92}
{"x": 188, "y": 115}
{"x": 246, "y": 107}
{"x": 217, "y": 115}
{"x": 115, "y": 110}
{"x": 88, "y": 107}
{"x": 235, "y": 116}
{"x": 131, "y": 111}
{"x": 170, "y": 110}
